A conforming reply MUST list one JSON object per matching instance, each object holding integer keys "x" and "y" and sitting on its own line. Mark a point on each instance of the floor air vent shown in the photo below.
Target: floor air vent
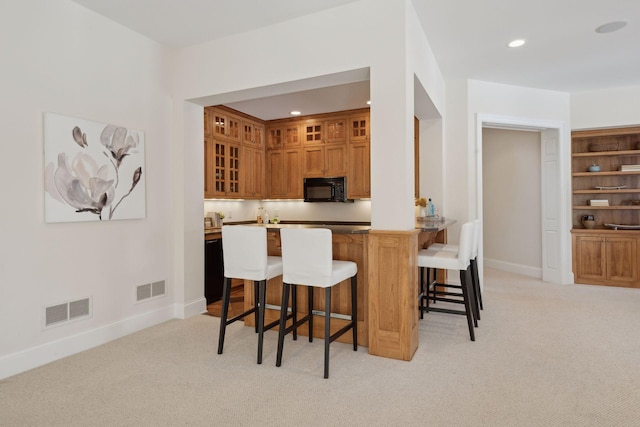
{"x": 150, "y": 290}
{"x": 59, "y": 313}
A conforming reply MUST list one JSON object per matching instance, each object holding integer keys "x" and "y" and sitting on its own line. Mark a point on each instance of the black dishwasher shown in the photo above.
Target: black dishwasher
{"x": 213, "y": 270}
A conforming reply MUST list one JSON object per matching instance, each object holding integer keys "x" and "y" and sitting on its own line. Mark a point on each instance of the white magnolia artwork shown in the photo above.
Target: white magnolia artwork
{"x": 93, "y": 171}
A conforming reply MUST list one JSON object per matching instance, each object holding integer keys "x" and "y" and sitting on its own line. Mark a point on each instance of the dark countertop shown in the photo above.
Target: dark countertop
{"x": 339, "y": 227}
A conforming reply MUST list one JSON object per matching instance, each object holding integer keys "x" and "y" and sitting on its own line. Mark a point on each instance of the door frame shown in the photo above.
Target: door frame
{"x": 556, "y": 191}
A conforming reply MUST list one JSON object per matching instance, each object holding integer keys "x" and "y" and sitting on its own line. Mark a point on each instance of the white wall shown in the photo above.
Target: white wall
{"x": 606, "y": 108}
{"x": 237, "y": 67}
{"x": 511, "y": 178}
{"x": 59, "y": 57}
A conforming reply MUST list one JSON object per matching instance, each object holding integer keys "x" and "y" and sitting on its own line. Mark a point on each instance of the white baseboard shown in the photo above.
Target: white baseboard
{"x": 33, "y": 357}
{"x": 191, "y": 309}
{"x": 524, "y": 270}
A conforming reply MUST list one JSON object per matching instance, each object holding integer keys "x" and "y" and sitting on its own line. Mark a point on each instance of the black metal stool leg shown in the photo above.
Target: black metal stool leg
{"x": 327, "y": 331}
{"x": 294, "y": 310}
{"x": 226, "y": 290}
{"x": 261, "y": 295}
{"x": 467, "y": 305}
{"x": 354, "y": 310}
{"x": 310, "y": 311}
{"x": 283, "y": 322}
{"x": 256, "y": 300}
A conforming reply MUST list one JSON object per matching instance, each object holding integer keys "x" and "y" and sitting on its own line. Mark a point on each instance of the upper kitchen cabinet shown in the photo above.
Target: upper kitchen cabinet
{"x": 312, "y": 131}
{"x": 335, "y": 130}
{"x": 284, "y": 174}
{"x": 253, "y": 172}
{"x": 224, "y": 125}
{"x": 281, "y": 134}
{"x": 222, "y": 169}
{"x": 359, "y": 127}
{"x": 252, "y": 133}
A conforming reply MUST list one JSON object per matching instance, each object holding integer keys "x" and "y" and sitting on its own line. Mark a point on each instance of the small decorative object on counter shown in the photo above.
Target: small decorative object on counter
{"x": 594, "y": 168}
{"x": 265, "y": 217}
{"x": 431, "y": 208}
{"x": 260, "y": 215}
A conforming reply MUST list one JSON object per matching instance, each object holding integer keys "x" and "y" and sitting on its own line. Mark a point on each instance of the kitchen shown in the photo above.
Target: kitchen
{"x": 235, "y": 147}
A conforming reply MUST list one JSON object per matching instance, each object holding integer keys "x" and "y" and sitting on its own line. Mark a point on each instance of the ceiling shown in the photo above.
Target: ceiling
{"x": 468, "y": 38}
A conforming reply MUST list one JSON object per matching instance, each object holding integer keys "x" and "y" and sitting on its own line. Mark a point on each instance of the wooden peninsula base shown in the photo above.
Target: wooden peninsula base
{"x": 387, "y": 288}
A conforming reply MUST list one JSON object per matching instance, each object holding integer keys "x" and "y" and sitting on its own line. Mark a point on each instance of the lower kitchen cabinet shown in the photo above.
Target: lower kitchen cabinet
{"x": 606, "y": 257}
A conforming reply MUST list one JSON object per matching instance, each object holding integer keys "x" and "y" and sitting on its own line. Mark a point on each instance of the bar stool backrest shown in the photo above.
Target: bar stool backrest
{"x": 244, "y": 251}
{"x": 476, "y": 238}
{"x": 466, "y": 241}
{"x": 307, "y": 256}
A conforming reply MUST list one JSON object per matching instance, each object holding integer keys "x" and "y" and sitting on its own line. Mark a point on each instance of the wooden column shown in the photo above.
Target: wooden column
{"x": 393, "y": 293}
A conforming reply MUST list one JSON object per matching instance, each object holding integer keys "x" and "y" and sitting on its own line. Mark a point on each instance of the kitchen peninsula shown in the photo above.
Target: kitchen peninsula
{"x": 387, "y": 309}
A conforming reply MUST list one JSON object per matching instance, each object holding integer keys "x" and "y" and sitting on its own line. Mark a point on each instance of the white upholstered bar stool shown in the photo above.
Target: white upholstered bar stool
{"x": 448, "y": 260}
{"x": 307, "y": 259}
{"x": 244, "y": 250}
{"x": 475, "y": 277}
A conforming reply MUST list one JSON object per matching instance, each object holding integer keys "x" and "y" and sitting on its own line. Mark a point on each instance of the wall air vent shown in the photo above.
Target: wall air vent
{"x": 65, "y": 312}
{"x": 150, "y": 290}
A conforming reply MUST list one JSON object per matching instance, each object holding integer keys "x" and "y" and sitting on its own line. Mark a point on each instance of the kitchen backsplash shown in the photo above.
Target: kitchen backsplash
{"x": 291, "y": 210}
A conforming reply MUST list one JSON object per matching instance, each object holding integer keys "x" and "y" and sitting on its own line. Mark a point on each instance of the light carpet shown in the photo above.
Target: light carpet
{"x": 545, "y": 355}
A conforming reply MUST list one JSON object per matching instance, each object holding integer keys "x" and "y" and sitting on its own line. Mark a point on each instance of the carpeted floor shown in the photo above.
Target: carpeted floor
{"x": 545, "y": 355}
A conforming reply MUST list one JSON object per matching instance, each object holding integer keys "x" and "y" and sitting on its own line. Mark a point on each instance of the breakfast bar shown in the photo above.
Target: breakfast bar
{"x": 387, "y": 284}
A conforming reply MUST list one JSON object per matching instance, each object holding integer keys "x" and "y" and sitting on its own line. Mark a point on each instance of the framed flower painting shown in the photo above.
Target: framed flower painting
{"x": 93, "y": 171}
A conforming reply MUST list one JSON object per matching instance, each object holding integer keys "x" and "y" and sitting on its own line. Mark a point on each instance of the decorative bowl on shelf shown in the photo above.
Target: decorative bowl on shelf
{"x": 594, "y": 168}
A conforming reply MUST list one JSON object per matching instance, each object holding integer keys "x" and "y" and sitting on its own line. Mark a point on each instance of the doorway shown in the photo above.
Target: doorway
{"x": 555, "y": 206}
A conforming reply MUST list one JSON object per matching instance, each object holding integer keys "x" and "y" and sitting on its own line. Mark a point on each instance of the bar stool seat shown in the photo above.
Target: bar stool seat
{"x": 244, "y": 251}
{"x": 448, "y": 260}
{"x": 307, "y": 258}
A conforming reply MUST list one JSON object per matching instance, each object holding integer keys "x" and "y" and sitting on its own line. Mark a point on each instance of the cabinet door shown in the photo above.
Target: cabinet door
{"x": 252, "y": 183}
{"x": 313, "y": 161}
{"x": 208, "y": 119}
{"x": 275, "y": 174}
{"x": 234, "y": 172}
{"x": 312, "y": 132}
{"x": 226, "y": 126}
{"x": 252, "y": 134}
{"x": 209, "y": 168}
{"x": 590, "y": 262}
{"x": 274, "y": 137}
{"x": 291, "y": 135}
{"x": 359, "y": 175}
{"x": 335, "y": 160}
{"x": 359, "y": 128}
{"x": 622, "y": 259}
{"x": 284, "y": 173}
{"x": 293, "y": 174}
{"x": 335, "y": 130}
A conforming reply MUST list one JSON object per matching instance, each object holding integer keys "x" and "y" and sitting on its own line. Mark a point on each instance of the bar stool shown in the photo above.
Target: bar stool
{"x": 461, "y": 261}
{"x": 245, "y": 257}
{"x": 307, "y": 259}
{"x": 475, "y": 277}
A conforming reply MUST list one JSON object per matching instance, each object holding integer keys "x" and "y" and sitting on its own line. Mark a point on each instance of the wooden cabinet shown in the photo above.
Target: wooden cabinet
{"x": 284, "y": 174}
{"x": 359, "y": 174}
{"x": 606, "y": 255}
{"x": 606, "y": 258}
{"x": 281, "y": 135}
{"x": 224, "y": 125}
{"x": 325, "y": 160}
{"x": 253, "y": 173}
{"x": 245, "y": 157}
{"x": 252, "y": 133}
{"x": 222, "y": 169}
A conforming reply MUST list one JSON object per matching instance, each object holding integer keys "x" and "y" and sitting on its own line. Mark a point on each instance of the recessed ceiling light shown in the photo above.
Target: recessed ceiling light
{"x": 369, "y": 102}
{"x": 295, "y": 113}
{"x": 610, "y": 27}
{"x": 516, "y": 43}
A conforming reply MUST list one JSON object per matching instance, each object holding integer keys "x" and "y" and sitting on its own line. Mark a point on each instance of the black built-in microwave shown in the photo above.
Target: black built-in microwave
{"x": 326, "y": 189}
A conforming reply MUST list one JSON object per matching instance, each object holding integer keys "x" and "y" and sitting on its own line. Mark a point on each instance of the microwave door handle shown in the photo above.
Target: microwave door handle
{"x": 333, "y": 192}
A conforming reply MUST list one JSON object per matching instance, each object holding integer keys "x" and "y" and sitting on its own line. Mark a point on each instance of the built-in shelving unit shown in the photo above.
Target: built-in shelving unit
{"x": 606, "y": 255}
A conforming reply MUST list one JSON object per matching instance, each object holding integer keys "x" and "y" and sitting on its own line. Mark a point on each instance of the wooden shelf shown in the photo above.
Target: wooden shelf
{"x": 607, "y": 173}
{"x": 607, "y": 153}
{"x": 620, "y": 191}
{"x": 625, "y": 207}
